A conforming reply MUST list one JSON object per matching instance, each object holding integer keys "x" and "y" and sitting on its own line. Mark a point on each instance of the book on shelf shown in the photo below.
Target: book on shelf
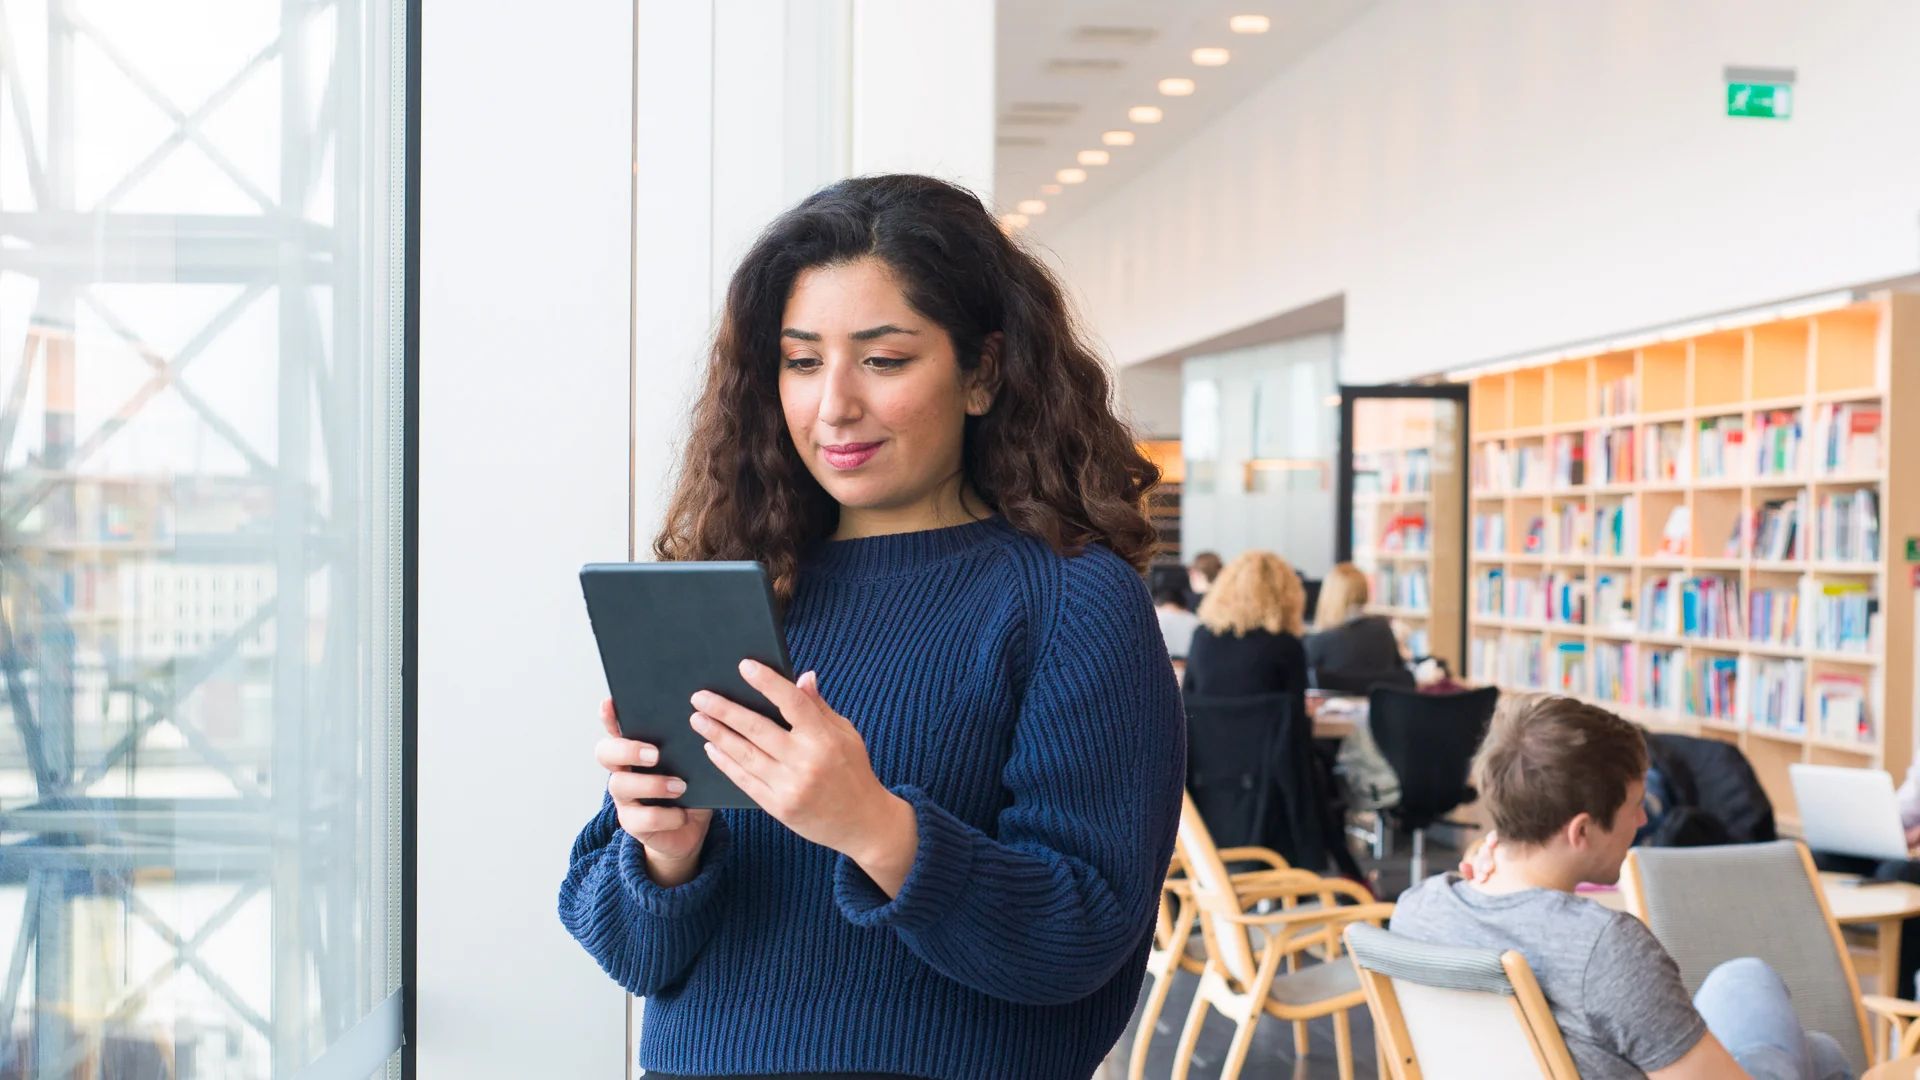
{"x": 1612, "y": 602}
{"x": 1722, "y": 447}
{"x": 1613, "y": 671}
{"x": 1676, "y": 536}
{"x": 1567, "y": 598}
{"x": 1402, "y": 587}
{"x": 1774, "y": 529}
{"x": 1846, "y": 437}
{"x": 1570, "y": 668}
{"x": 1659, "y": 611}
{"x": 1490, "y": 533}
{"x": 1573, "y": 530}
{"x": 1844, "y": 615}
{"x": 1840, "y": 710}
{"x": 1569, "y": 460}
{"x": 1710, "y": 607}
{"x": 1659, "y": 685}
{"x": 1526, "y": 599}
{"x": 1535, "y": 542}
{"x": 1521, "y": 666}
{"x": 1490, "y": 592}
{"x": 1419, "y": 642}
{"x": 1615, "y": 397}
{"x": 1665, "y": 459}
{"x": 1415, "y": 473}
{"x": 1773, "y": 616}
{"x": 1483, "y": 660}
{"x": 1490, "y": 467}
{"x": 1712, "y": 686}
{"x": 1774, "y": 694}
{"x": 1405, "y": 533}
{"x": 1613, "y": 456}
{"x": 1847, "y": 526}
{"x": 1529, "y": 466}
{"x": 1613, "y": 529}
{"x": 1776, "y": 443}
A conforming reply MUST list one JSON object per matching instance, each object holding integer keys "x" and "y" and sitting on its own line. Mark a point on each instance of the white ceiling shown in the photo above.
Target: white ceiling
{"x": 1117, "y": 51}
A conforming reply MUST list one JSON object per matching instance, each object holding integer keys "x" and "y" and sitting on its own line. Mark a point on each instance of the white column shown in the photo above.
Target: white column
{"x": 923, "y": 100}
{"x": 526, "y": 187}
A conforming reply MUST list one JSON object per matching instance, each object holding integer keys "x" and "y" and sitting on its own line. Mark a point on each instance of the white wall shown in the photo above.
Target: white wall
{"x": 1491, "y": 178}
{"x": 923, "y": 98}
{"x": 1284, "y": 389}
{"x": 524, "y": 320}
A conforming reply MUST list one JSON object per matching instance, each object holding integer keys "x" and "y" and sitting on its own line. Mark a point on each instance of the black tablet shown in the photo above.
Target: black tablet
{"x": 669, "y": 629}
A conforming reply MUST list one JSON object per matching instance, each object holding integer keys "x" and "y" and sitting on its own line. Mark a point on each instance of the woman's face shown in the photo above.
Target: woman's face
{"x": 874, "y": 397}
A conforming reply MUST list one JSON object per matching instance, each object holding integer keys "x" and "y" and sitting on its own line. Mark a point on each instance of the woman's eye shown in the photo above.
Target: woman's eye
{"x": 887, "y": 363}
{"x": 801, "y": 363}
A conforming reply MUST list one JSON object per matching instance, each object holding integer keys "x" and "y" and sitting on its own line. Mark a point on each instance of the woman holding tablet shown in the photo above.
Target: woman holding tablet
{"x": 968, "y": 818}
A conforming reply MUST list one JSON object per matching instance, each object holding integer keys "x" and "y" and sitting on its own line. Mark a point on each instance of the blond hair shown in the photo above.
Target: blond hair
{"x": 1343, "y": 593}
{"x": 1256, "y": 591}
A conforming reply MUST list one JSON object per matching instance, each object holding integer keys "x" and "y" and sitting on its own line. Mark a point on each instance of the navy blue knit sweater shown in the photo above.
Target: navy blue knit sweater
{"x": 1023, "y": 703}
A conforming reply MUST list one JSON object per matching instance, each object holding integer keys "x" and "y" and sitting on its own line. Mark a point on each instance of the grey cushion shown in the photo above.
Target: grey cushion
{"x": 1316, "y": 983}
{"x": 1708, "y": 905}
{"x": 1447, "y": 966}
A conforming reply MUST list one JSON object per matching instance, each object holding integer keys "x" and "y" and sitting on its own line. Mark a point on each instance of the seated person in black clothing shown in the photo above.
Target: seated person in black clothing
{"x": 1251, "y": 620}
{"x": 1351, "y": 650}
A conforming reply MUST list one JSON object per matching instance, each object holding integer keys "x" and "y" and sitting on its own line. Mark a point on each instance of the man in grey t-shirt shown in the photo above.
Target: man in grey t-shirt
{"x": 1563, "y": 781}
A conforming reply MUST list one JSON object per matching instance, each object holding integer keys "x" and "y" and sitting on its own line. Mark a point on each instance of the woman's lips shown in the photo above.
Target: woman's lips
{"x": 850, "y": 455}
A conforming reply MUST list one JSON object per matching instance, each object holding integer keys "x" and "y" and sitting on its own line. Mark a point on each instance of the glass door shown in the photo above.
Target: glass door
{"x": 1402, "y": 510}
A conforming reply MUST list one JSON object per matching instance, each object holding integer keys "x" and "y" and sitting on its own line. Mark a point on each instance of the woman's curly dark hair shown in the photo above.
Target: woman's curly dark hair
{"x": 1051, "y": 455}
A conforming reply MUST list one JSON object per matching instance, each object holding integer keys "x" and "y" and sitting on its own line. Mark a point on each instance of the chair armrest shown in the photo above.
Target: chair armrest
{"x": 1273, "y": 859}
{"x": 1269, "y": 884}
{"x": 1299, "y": 885}
{"x": 1329, "y": 915}
{"x": 1890, "y": 1007}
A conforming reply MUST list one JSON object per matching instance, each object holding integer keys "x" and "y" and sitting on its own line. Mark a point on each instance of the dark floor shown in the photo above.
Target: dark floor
{"x": 1272, "y": 1055}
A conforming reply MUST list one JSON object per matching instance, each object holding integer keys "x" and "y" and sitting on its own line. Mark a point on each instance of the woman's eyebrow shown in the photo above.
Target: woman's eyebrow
{"x": 858, "y": 335}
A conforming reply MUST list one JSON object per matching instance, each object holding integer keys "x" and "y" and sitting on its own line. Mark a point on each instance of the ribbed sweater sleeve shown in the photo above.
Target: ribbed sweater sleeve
{"x": 1046, "y": 907}
{"x": 643, "y": 935}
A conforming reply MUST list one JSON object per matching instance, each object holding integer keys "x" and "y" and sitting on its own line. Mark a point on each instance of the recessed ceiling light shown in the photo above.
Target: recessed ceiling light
{"x": 1071, "y": 176}
{"x": 1211, "y": 57}
{"x": 1051, "y": 189}
{"x": 1176, "y": 87}
{"x": 1093, "y": 157}
{"x": 1031, "y": 206}
{"x": 1144, "y": 114}
{"x": 1117, "y": 138}
{"x": 1011, "y": 222}
{"x": 1249, "y": 24}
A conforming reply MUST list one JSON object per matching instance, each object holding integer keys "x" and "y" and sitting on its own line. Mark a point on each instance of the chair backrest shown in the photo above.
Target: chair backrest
{"x": 1708, "y": 905}
{"x": 1430, "y": 740}
{"x": 1450, "y": 1011}
{"x": 1444, "y": 1011}
{"x": 1213, "y": 895}
{"x": 1250, "y": 771}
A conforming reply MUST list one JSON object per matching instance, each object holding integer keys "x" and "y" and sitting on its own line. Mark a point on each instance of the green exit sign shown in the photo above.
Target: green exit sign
{"x": 1761, "y": 92}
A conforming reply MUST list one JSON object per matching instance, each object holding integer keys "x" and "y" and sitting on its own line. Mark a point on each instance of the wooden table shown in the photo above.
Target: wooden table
{"x": 1336, "y": 723}
{"x": 1906, "y": 1068}
{"x": 1884, "y": 907}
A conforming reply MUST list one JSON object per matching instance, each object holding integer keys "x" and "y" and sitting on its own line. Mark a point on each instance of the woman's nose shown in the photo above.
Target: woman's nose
{"x": 839, "y": 398}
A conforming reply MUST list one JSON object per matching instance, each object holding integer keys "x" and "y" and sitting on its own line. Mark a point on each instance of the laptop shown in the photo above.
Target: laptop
{"x": 1849, "y": 811}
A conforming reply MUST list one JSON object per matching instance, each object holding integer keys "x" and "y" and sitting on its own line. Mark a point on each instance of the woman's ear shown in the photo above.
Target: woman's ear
{"x": 983, "y": 382}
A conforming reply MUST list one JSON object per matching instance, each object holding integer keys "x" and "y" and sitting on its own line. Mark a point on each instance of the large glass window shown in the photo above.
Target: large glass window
{"x": 201, "y": 477}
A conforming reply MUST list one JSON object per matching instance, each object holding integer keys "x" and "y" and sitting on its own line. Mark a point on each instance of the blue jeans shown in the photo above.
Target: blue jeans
{"x": 1748, "y": 1009}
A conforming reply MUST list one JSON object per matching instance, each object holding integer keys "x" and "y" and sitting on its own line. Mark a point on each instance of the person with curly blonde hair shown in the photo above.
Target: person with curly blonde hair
{"x": 1251, "y": 623}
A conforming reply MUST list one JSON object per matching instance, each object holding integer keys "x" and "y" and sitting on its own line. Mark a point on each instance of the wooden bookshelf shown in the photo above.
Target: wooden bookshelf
{"x": 1409, "y": 494}
{"x": 1695, "y": 518}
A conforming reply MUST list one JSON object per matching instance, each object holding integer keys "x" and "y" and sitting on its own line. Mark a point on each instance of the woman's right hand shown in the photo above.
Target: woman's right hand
{"x": 671, "y": 835}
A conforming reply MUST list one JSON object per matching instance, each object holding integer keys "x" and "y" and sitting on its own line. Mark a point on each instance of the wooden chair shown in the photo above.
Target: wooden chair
{"x": 1708, "y": 905}
{"x": 1443, "y": 1011}
{"x": 1174, "y": 947}
{"x": 1246, "y": 953}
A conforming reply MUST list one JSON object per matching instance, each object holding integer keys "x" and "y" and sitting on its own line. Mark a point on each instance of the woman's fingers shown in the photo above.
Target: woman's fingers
{"x": 738, "y": 748}
{"x": 626, "y": 787}
{"x": 618, "y": 755}
{"x": 752, "y": 726}
{"x": 744, "y": 778}
{"x": 640, "y": 820}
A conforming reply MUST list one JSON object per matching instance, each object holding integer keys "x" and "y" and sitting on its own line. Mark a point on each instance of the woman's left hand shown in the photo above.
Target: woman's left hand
{"x": 816, "y": 778}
